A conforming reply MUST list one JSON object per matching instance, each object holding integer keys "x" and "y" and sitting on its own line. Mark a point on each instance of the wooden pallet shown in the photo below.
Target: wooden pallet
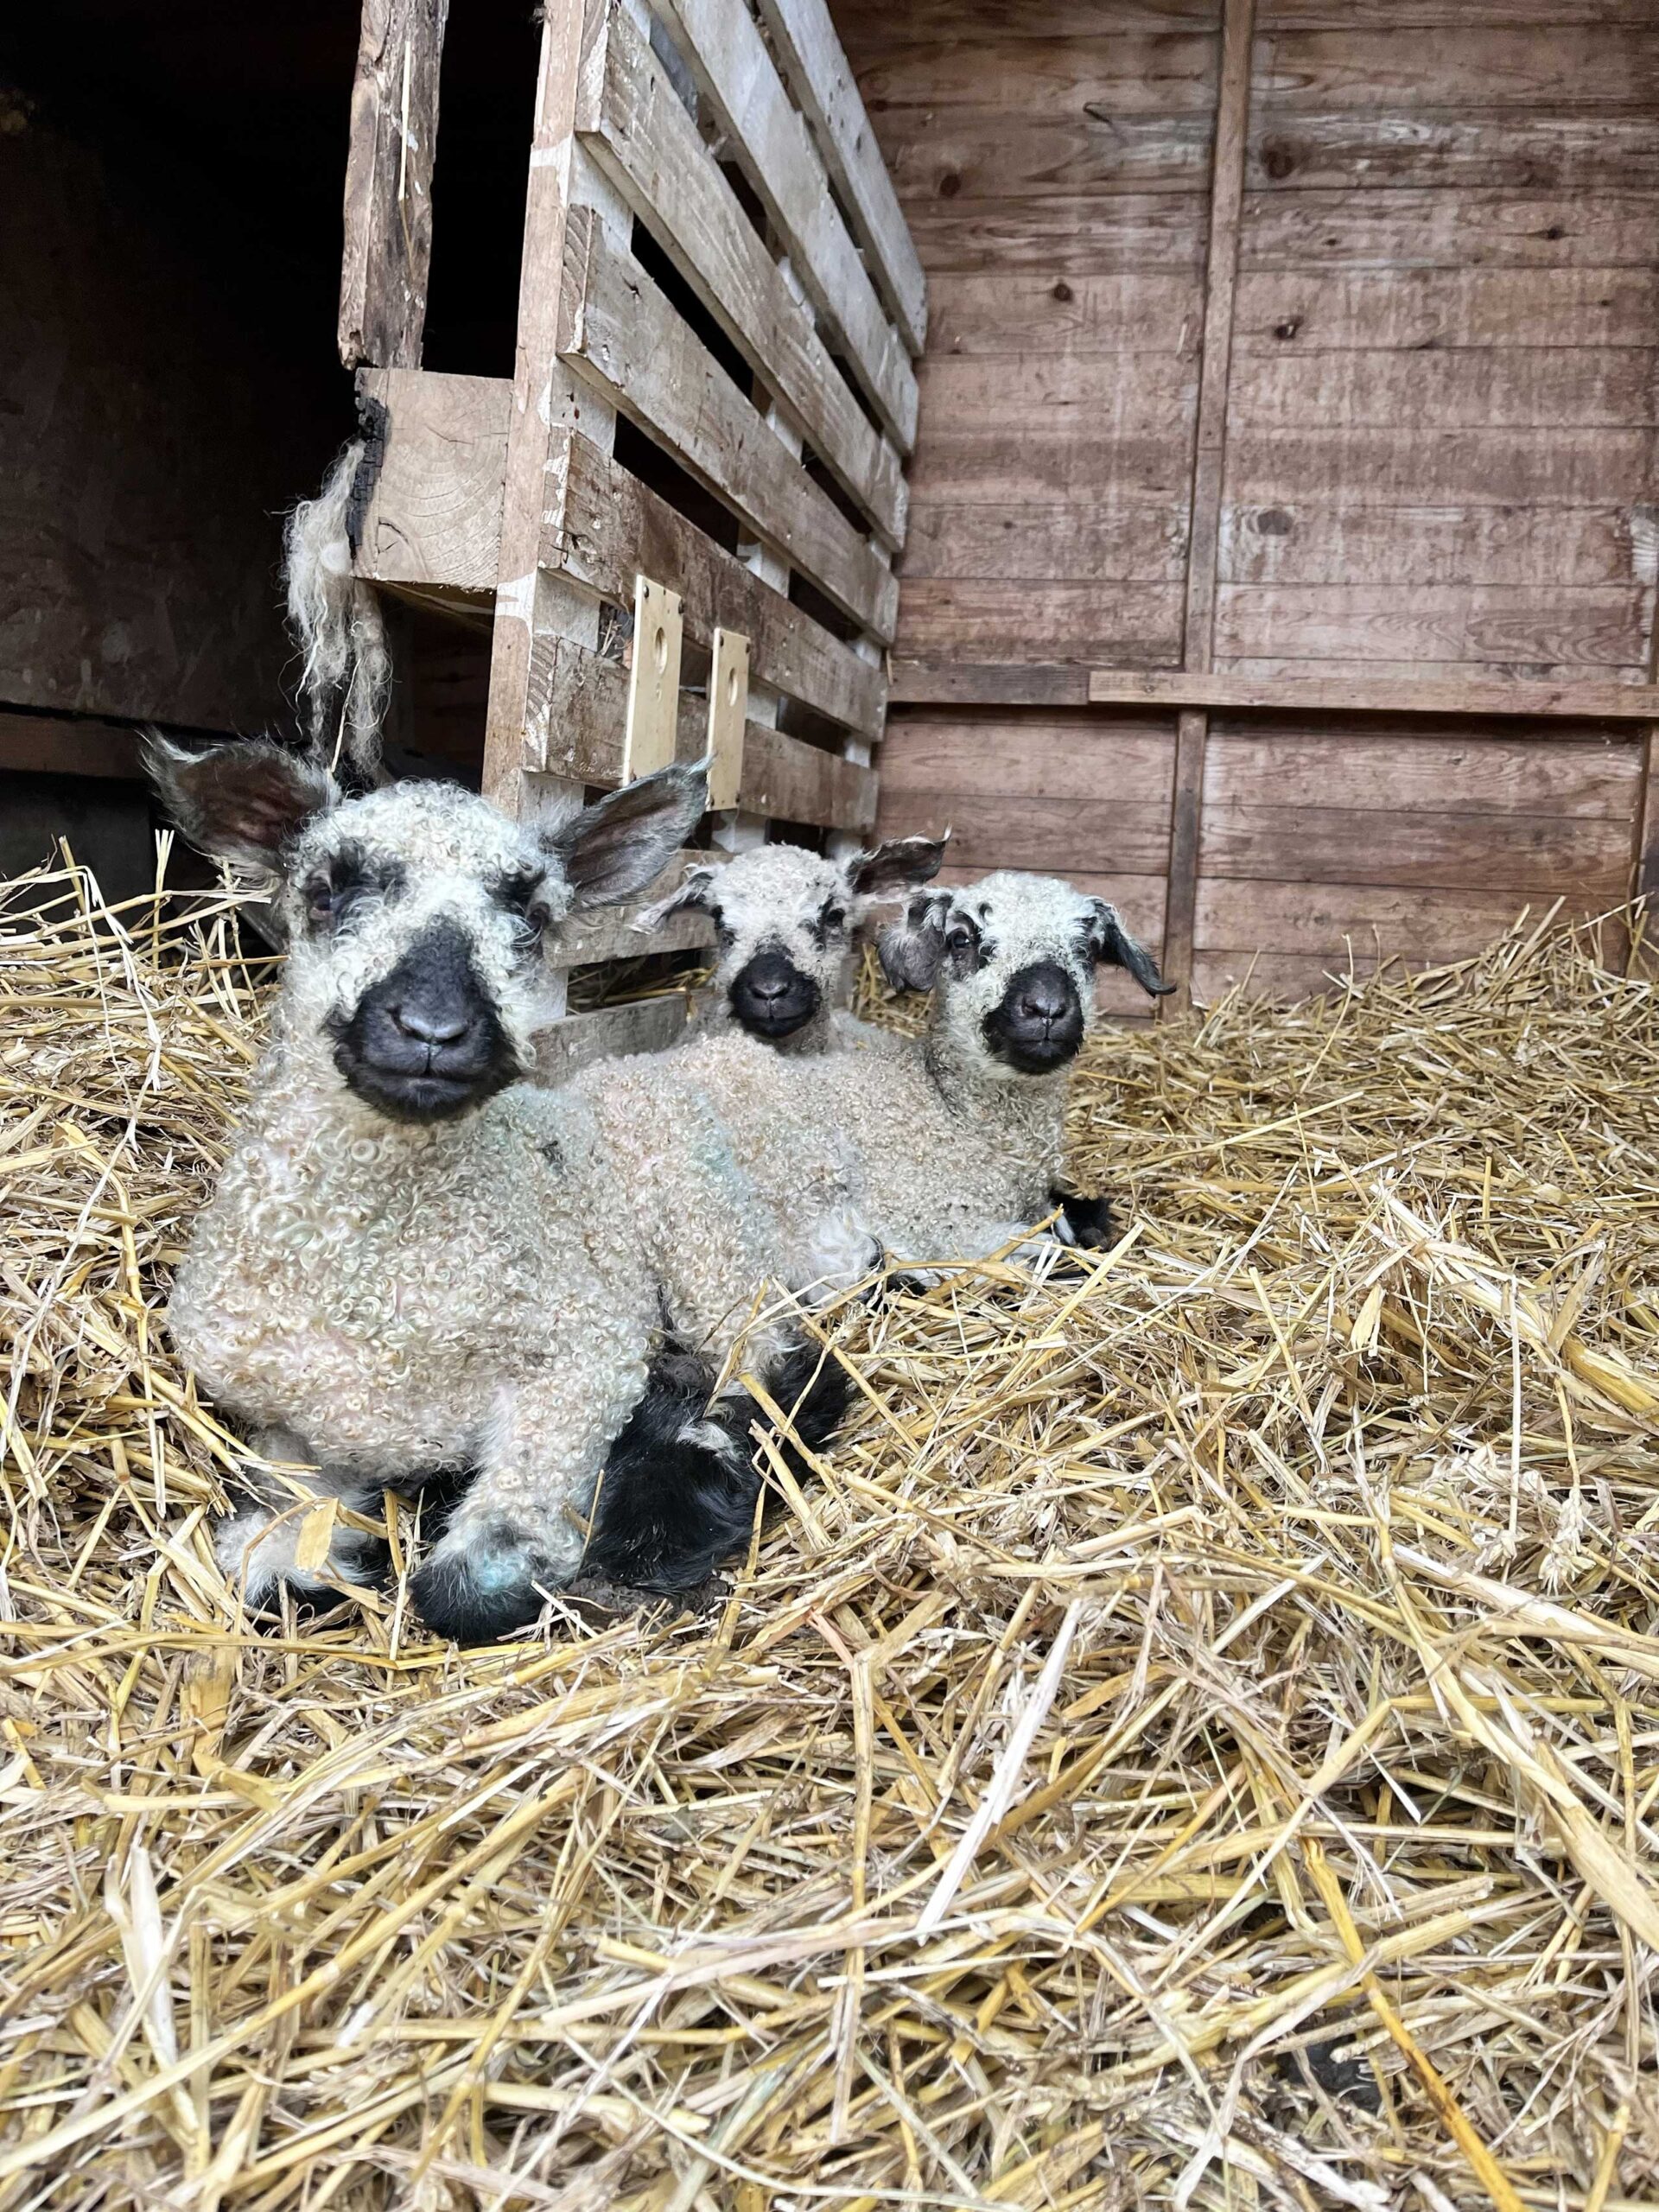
{"x": 503, "y": 501}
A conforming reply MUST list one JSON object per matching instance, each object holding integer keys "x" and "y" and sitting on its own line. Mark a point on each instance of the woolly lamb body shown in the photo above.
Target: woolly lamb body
{"x": 414, "y": 1263}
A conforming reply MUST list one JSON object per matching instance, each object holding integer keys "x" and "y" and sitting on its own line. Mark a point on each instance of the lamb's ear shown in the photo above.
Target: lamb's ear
{"x": 1109, "y": 940}
{"x": 242, "y": 801}
{"x": 614, "y": 849}
{"x": 894, "y": 865}
{"x": 695, "y": 896}
{"x": 911, "y": 950}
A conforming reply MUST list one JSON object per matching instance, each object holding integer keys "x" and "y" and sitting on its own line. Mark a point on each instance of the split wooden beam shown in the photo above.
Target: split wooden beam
{"x": 1209, "y": 469}
{"x": 387, "y": 254}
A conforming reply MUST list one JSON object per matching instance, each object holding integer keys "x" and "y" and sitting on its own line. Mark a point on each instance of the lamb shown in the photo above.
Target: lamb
{"x": 416, "y": 1264}
{"x": 951, "y": 1146}
{"x": 784, "y": 922}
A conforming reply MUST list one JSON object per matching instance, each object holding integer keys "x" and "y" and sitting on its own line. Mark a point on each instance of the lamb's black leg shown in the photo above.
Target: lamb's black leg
{"x": 1086, "y": 1223}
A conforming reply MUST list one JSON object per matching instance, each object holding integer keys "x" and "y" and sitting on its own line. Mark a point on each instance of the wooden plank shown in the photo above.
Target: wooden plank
{"x": 728, "y": 703}
{"x": 620, "y": 332}
{"x": 1391, "y": 227}
{"x": 1321, "y": 694}
{"x": 638, "y": 130}
{"x": 388, "y": 219}
{"x": 1526, "y": 854}
{"x": 1569, "y": 387}
{"x": 1066, "y": 397}
{"x": 998, "y": 467}
{"x": 600, "y": 523}
{"x": 987, "y": 154}
{"x": 583, "y": 940}
{"x": 1076, "y": 234}
{"x": 1209, "y": 461}
{"x": 529, "y": 602}
{"x": 1550, "y": 631}
{"x": 1123, "y": 72}
{"x": 652, "y": 722}
{"x": 736, "y": 76}
{"x": 1315, "y": 920}
{"x": 434, "y": 518}
{"x": 1543, "y": 65}
{"x": 637, "y": 1025}
{"x": 1103, "y": 834}
{"x": 1303, "y": 542}
{"x": 1373, "y": 468}
{"x": 986, "y": 756}
{"x": 68, "y": 745}
{"x": 1449, "y": 767}
{"x": 1476, "y": 148}
{"x": 804, "y": 36}
{"x": 1109, "y": 539}
{"x": 946, "y": 680}
{"x": 1410, "y": 308}
{"x": 1021, "y": 312}
{"x": 575, "y": 728}
{"x": 1014, "y": 621}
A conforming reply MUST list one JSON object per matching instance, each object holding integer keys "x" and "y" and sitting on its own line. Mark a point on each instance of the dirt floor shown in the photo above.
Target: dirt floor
{"x": 1196, "y": 1743}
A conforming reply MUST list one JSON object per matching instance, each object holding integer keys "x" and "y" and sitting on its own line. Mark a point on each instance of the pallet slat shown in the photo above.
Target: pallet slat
{"x": 805, "y": 36}
{"x": 618, "y": 330}
{"x": 636, "y": 127}
{"x": 1582, "y": 702}
{"x": 387, "y": 253}
{"x": 640, "y": 1026}
{"x": 736, "y": 75}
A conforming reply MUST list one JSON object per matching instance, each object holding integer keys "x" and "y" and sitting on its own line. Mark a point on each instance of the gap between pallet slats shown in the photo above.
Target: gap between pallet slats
{"x": 736, "y": 76}
{"x": 805, "y": 36}
{"x": 634, "y": 124}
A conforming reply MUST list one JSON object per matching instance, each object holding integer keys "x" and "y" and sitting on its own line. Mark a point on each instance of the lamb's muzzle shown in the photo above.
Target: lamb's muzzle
{"x": 427, "y": 1041}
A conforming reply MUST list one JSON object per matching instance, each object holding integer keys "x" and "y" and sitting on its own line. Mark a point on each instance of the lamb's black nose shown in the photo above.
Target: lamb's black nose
{"x": 430, "y": 1024}
{"x": 1044, "y": 997}
{"x": 771, "y": 988}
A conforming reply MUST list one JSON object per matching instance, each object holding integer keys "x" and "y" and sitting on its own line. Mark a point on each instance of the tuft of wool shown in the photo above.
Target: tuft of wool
{"x": 346, "y": 676}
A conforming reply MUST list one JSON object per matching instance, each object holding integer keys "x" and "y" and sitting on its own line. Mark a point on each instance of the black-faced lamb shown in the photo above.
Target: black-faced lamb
{"x": 414, "y": 1262}
{"x": 784, "y": 920}
{"x": 950, "y": 1146}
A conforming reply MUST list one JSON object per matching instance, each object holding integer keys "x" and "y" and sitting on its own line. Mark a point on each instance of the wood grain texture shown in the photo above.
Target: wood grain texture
{"x": 736, "y": 76}
{"x": 1526, "y": 854}
{"x": 948, "y": 680}
{"x": 1120, "y": 538}
{"x": 1490, "y": 150}
{"x": 1120, "y": 70}
{"x": 1554, "y": 630}
{"x": 387, "y": 254}
{"x": 1461, "y": 767}
{"x": 1304, "y": 694}
{"x": 1135, "y": 624}
{"x": 1086, "y": 233}
{"x": 1508, "y": 468}
{"x": 1318, "y": 920}
{"x": 434, "y": 515}
{"x": 804, "y": 36}
{"x": 600, "y": 524}
{"x": 1545, "y": 65}
{"x": 1022, "y": 315}
{"x": 1416, "y": 308}
{"x": 1299, "y": 543}
{"x": 1100, "y": 835}
{"x": 1392, "y": 227}
{"x": 633, "y": 121}
{"x": 620, "y": 332}
{"x": 1568, "y": 387}
{"x": 973, "y": 153}
{"x": 989, "y": 755}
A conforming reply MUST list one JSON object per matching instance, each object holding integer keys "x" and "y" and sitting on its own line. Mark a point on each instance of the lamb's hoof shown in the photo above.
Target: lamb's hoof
{"x": 482, "y": 1583}
{"x": 1084, "y": 1224}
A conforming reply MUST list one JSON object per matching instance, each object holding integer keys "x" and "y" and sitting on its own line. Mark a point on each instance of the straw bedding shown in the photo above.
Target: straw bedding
{"x": 1197, "y": 1743}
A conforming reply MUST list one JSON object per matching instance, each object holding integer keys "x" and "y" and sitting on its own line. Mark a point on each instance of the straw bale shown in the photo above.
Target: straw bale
{"x": 1197, "y": 1744}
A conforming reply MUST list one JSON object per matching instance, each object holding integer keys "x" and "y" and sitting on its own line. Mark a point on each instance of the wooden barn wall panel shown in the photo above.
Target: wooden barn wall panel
{"x": 1448, "y": 306}
{"x": 1053, "y": 163}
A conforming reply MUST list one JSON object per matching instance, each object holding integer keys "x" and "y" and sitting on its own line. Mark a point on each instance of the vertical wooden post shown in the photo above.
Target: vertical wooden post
{"x": 1209, "y": 465}
{"x": 387, "y": 253}
{"x": 728, "y": 711}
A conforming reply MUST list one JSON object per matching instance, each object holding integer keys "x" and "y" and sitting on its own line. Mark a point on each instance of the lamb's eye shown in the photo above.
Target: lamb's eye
{"x": 523, "y": 897}
{"x": 327, "y": 898}
{"x": 833, "y": 919}
{"x": 960, "y": 939}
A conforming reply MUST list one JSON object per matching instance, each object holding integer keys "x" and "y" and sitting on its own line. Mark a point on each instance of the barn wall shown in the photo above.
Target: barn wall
{"x": 1439, "y": 450}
